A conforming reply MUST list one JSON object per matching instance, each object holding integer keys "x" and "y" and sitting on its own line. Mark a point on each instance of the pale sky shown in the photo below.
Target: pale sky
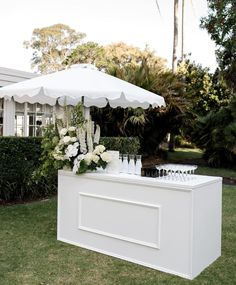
{"x": 135, "y": 22}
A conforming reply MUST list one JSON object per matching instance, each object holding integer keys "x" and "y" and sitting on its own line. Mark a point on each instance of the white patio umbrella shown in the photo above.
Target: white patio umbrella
{"x": 84, "y": 83}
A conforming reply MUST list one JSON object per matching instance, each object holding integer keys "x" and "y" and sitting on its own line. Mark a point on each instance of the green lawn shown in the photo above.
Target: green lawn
{"x": 185, "y": 155}
{"x": 30, "y": 253}
{"x": 216, "y": 172}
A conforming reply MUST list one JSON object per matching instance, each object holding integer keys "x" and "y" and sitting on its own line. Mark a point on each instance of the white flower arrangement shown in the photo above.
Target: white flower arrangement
{"x": 75, "y": 148}
{"x": 106, "y": 157}
{"x": 71, "y": 129}
{"x": 63, "y": 132}
{"x": 66, "y": 139}
{"x": 99, "y": 149}
{"x": 72, "y": 150}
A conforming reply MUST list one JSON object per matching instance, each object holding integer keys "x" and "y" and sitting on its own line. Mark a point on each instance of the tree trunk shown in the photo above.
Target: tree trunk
{"x": 174, "y": 58}
{"x": 182, "y": 32}
{"x": 171, "y": 145}
{"x": 176, "y": 34}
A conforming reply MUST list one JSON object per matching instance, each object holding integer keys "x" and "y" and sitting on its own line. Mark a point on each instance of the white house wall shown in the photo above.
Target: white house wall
{"x": 10, "y": 76}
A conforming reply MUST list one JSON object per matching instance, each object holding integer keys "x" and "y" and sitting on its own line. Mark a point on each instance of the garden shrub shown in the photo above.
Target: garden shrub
{"x": 27, "y": 171}
{"x": 129, "y": 145}
{"x": 216, "y": 134}
{"x": 19, "y": 158}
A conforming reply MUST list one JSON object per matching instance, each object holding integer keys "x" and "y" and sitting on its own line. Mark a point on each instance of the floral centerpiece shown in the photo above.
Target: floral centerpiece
{"x": 78, "y": 148}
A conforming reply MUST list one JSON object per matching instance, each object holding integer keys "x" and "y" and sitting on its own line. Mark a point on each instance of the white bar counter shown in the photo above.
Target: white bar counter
{"x": 172, "y": 226}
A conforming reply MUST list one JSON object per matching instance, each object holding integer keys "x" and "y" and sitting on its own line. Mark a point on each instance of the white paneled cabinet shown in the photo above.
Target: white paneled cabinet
{"x": 172, "y": 226}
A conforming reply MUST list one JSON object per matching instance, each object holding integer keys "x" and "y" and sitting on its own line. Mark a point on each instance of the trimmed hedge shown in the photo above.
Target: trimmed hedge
{"x": 129, "y": 145}
{"x": 19, "y": 158}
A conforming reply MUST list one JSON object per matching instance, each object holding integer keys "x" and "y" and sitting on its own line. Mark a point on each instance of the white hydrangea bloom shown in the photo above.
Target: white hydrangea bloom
{"x": 80, "y": 157}
{"x": 76, "y": 144}
{"x": 106, "y": 157}
{"x": 61, "y": 141}
{"x": 73, "y": 139}
{"x": 66, "y": 139}
{"x": 71, "y": 129}
{"x": 99, "y": 149}
{"x": 95, "y": 158}
{"x": 88, "y": 158}
{"x": 63, "y": 131}
{"x": 72, "y": 150}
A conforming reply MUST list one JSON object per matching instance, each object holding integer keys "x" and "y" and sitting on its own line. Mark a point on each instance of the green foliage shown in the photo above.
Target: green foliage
{"x": 77, "y": 115}
{"x": 114, "y": 57}
{"x": 129, "y": 145}
{"x": 151, "y": 125}
{"x": 52, "y": 45}
{"x": 83, "y": 167}
{"x": 120, "y": 55}
{"x": 183, "y": 143}
{"x": 207, "y": 92}
{"x": 221, "y": 25}
{"x": 47, "y": 169}
{"x": 216, "y": 134}
{"x": 89, "y": 52}
{"x": 19, "y": 157}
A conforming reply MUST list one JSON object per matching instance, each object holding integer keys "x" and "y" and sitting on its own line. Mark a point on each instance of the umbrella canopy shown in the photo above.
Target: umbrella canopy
{"x": 82, "y": 82}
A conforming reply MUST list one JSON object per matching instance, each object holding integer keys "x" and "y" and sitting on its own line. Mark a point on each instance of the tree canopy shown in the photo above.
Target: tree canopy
{"x": 207, "y": 91}
{"x": 52, "y": 45}
{"x": 121, "y": 55}
{"x": 89, "y": 52}
{"x": 114, "y": 56}
{"x": 221, "y": 25}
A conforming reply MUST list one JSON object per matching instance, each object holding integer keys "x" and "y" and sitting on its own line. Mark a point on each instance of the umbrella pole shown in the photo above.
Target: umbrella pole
{"x": 86, "y": 110}
{"x": 86, "y": 113}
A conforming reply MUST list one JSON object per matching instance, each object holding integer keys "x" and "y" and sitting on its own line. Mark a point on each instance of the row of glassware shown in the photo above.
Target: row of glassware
{"x": 130, "y": 163}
